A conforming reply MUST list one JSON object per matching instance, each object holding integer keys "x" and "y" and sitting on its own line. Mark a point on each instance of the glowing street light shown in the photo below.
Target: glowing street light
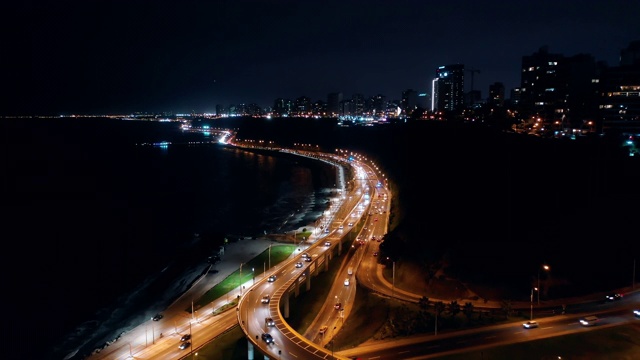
{"x": 545, "y": 268}
{"x": 532, "y": 289}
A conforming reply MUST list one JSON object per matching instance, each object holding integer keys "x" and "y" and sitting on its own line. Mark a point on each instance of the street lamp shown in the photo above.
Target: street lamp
{"x": 536, "y": 289}
{"x": 393, "y": 277}
{"x": 546, "y": 268}
{"x": 269, "y": 257}
{"x": 240, "y": 280}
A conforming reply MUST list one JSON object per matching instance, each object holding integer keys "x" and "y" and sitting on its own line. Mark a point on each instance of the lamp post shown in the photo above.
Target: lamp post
{"x": 393, "y": 280}
{"x": 269, "y": 256}
{"x": 240, "y": 280}
{"x": 531, "y": 300}
{"x": 191, "y": 340}
{"x": 546, "y": 268}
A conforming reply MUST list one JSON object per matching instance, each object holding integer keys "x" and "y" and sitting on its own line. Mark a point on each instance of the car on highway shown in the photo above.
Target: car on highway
{"x": 323, "y": 329}
{"x": 589, "y": 320}
{"x": 337, "y": 306}
{"x": 327, "y": 243}
{"x": 307, "y": 259}
{"x": 184, "y": 345}
{"x": 613, "y": 297}
{"x": 157, "y": 317}
{"x": 530, "y": 324}
{"x": 267, "y": 338}
{"x": 375, "y": 253}
{"x": 266, "y": 299}
{"x": 185, "y": 337}
{"x": 269, "y": 321}
{"x": 636, "y": 312}
{"x": 346, "y": 282}
{"x": 299, "y": 264}
{"x": 272, "y": 278}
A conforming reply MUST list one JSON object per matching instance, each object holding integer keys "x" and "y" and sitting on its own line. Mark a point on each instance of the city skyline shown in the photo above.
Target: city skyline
{"x": 102, "y": 58}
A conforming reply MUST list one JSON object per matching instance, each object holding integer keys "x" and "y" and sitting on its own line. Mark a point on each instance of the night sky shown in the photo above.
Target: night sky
{"x": 116, "y": 56}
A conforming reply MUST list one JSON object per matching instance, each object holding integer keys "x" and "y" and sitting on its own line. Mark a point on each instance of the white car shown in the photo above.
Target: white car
{"x": 530, "y": 324}
{"x": 589, "y": 320}
{"x": 346, "y": 282}
{"x": 266, "y": 299}
{"x": 636, "y": 312}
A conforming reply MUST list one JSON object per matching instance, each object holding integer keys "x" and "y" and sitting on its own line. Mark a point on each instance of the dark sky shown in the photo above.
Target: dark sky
{"x": 117, "y": 56}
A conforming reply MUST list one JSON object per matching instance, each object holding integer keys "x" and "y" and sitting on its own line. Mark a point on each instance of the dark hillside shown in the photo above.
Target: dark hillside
{"x": 498, "y": 204}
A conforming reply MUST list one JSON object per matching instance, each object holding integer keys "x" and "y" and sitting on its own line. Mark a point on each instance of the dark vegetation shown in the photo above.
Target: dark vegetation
{"x": 493, "y": 206}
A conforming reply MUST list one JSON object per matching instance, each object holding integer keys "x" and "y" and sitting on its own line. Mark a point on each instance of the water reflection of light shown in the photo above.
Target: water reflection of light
{"x": 163, "y": 144}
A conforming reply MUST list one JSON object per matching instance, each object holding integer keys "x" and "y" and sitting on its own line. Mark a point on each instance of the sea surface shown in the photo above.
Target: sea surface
{"x": 101, "y": 217}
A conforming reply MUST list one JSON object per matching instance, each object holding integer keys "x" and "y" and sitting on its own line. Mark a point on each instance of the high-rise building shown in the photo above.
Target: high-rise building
{"x": 302, "y": 106}
{"x": 514, "y": 98}
{"x": 560, "y": 92}
{"x": 630, "y": 55}
{"x": 409, "y": 101}
{"x": 543, "y": 86}
{"x": 220, "y": 110}
{"x": 333, "y": 103}
{"x": 282, "y": 107}
{"x": 448, "y": 92}
{"x": 620, "y": 93}
{"x": 375, "y": 106}
{"x": 496, "y": 94}
{"x": 357, "y": 102}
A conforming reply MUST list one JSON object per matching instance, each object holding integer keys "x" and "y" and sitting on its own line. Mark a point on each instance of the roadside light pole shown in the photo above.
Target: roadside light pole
{"x": 393, "y": 277}
{"x": 531, "y": 314}
{"x": 269, "y": 257}
{"x": 191, "y": 340}
{"x": 240, "y": 280}
{"x": 546, "y": 268}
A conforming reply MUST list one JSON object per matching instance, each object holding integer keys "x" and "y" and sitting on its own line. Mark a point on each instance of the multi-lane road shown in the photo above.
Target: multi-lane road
{"x": 351, "y": 215}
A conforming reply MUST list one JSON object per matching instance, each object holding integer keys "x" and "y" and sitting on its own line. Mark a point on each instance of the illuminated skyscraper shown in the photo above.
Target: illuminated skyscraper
{"x": 448, "y": 91}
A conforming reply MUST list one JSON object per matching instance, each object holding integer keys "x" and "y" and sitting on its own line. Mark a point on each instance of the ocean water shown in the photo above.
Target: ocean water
{"x": 103, "y": 223}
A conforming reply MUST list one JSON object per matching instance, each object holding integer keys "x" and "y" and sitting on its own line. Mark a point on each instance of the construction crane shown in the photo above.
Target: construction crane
{"x": 473, "y": 71}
